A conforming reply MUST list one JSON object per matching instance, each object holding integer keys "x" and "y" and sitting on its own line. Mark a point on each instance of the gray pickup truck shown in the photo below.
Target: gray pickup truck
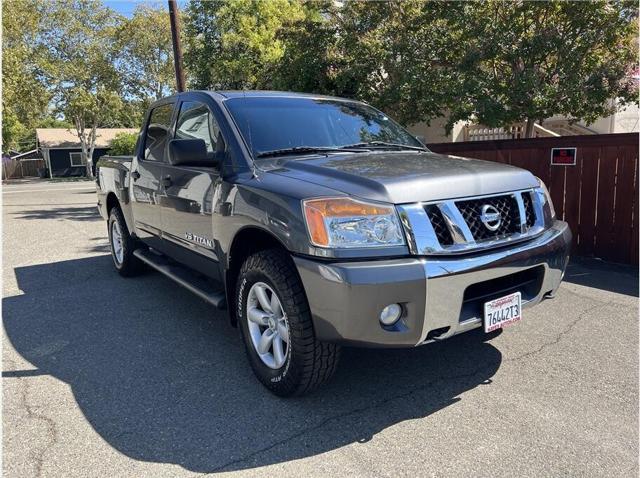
{"x": 319, "y": 222}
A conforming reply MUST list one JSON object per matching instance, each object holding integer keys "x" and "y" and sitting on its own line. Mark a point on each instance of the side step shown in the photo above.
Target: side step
{"x": 183, "y": 276}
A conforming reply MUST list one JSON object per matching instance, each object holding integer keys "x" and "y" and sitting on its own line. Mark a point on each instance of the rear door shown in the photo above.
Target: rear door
{"x": 146, "y": 175}
{"x": 189, "y": 194}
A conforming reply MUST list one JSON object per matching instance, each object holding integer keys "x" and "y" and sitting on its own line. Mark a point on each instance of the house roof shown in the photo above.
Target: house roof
{"x": 67, "y": 138}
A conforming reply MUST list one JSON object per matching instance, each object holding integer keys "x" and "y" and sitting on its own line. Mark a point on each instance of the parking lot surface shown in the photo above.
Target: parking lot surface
{"x": 112, "y": 377}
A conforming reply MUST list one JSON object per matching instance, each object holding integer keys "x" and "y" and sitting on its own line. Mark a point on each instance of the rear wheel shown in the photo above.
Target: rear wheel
{"x": 122, "y": 245}
{"x": 276, "y": 326}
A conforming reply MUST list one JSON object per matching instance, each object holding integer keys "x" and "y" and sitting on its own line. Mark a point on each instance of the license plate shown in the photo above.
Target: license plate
{"x": 502, "y": 312}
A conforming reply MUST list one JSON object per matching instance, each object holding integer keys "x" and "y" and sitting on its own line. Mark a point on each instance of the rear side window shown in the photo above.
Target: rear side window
{"x": 157, "y": 132}
{"x": 195, "y": 121}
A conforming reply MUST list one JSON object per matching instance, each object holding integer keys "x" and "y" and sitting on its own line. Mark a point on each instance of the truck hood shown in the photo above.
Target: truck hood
{"x": 402, "y": 177}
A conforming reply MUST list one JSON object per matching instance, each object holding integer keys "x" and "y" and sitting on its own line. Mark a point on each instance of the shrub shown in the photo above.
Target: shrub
{"x": 124, "y": 144}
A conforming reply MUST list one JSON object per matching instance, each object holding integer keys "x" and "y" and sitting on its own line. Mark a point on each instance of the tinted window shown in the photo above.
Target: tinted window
{"x": 269, "y": 124}
{"x": 196, "y": 121}
{"x": 157, "y": 132}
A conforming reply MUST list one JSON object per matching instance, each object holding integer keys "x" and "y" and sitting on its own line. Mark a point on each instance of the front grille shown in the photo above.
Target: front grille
{"x": 530, "y": 215}
{"x": 456, "y": 225}
{"x": 506, "y": 205}
{"x": 439, "y": 225}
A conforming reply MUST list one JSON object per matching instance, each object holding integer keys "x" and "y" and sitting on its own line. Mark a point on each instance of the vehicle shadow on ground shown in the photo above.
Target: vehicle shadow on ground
{"x": 162, "y": 377}
{"x": 82, "y": 213}
{"x": 618, "y": 278}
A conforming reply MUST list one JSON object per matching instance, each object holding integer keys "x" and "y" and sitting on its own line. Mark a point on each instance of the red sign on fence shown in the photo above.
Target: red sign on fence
{"x": 563, "y": 157}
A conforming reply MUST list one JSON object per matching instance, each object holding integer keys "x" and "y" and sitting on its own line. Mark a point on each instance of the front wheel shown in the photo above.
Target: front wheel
{"x": 276, "y": 326}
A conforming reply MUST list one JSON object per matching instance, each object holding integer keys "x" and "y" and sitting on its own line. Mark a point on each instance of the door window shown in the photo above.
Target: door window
{"x": 195, "y": 121}
{"x": 157, "y": 132}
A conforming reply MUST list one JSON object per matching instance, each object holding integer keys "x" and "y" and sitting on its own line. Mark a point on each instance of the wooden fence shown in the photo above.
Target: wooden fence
{"x": 598, "y": 196}
{"x": 12, "y": 169}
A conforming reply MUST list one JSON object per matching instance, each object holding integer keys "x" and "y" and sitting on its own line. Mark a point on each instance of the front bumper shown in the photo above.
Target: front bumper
{"x": 440, "y": 295}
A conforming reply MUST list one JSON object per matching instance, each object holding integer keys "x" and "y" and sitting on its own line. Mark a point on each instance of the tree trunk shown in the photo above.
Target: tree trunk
{"x": 92, "y": 146}
{"x": 528, "y": 132}
{"x": 87, "y": 143}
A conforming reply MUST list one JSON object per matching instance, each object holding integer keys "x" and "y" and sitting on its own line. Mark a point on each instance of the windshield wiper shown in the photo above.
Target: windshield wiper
{"x": 304, "y": 149}
{"x": 384, "y": 144}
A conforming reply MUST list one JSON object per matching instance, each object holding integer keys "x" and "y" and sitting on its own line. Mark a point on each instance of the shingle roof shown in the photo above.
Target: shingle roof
{"x": 67, "y": 138}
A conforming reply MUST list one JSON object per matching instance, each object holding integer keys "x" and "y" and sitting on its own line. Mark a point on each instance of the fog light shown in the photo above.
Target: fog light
{"x": 390, "y": 314}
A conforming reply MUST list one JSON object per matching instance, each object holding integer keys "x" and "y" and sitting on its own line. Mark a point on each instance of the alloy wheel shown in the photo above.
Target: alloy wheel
{"x": 268, "y": 325}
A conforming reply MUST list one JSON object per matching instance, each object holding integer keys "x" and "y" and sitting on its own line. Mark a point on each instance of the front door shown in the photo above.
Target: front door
{"x": 189, "y": 193}
{"x": 146, "y": 176}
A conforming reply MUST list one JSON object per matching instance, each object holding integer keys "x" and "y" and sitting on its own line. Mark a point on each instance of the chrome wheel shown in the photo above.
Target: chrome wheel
{"x": 268, "y": 325}
{"x": 116, "y": 242}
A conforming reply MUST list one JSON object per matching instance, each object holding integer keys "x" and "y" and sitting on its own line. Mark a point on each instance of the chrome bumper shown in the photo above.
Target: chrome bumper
{"x": 346, "y": 298}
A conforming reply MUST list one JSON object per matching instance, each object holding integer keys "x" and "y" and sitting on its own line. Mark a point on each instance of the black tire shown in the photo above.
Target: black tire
{"x": 129, "y": 265}
{"x": 309, "y": 362}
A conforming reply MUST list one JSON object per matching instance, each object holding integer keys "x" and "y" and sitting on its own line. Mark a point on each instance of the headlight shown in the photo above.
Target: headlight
{"x": 545, "y": 191}
{"x": 344, "y": 222}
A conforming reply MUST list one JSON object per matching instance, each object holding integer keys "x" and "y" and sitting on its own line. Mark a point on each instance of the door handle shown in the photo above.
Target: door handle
{"x": 166, "y": 181}
{"x": 135, "y": 175}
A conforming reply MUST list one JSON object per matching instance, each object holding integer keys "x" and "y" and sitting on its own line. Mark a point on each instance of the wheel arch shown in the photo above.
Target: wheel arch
{"x": 247, "y": 241}
{"x": 112, "y": 201}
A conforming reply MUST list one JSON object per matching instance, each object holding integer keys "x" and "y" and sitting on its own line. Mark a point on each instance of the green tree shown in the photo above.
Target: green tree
{"x": 25, "y": 98}
{"x": 123, "y": 144}
{"x": 311, "y": 58}
{"x": 89, "y": 110}
{"x": 400, "y": 55}
{"x": 145, "y": 54}
{"x": 527, "y": 61}
{"x": 82, "y": 51}
{"x": 235, "y": 44}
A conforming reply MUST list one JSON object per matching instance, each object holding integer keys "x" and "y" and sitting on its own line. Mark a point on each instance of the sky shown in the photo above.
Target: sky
{"x": 126, "y": 7}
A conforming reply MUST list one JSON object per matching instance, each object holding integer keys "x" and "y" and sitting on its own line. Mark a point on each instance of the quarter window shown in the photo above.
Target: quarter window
{"x": 157, "y": 132}
{"x": 195, "y": 121}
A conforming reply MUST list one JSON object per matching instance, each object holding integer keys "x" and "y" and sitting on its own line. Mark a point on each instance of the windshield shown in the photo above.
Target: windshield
{"x": 273, "y": 124}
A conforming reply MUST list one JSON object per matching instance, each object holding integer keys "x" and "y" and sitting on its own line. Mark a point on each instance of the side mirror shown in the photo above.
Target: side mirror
{"x": 193, "y": 152}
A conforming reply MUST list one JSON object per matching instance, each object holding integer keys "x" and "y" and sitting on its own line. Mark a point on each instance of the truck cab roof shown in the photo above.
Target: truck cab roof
{"x": 229, "y": 94}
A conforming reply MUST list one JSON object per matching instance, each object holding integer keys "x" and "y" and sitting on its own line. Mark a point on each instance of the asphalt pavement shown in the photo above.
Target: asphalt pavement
{"x": 111, "y": 377}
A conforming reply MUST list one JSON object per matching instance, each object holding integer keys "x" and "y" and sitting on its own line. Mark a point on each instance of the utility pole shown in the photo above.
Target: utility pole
{"x": 174, "y": 17}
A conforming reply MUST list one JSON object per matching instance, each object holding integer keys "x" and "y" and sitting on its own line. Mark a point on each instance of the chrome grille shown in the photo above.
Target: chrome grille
{"x": 530, "y": 215}
{"x": 456, "y": 227}
{"x": 439, "y": 225}
{"x": 506, "y": 205}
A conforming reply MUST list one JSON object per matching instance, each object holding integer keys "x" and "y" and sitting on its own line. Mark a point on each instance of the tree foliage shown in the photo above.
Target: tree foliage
{"x": 235, "y": 44}
{"x": 496, "y": 62}
{"x": 533, "y": 60}
{"x": 398, "y": 55}
{"x": 81, "y": 53}
{"x": 311, "y": 60}
{"x": 124, "y": 144}
{"x": 25, "y": 98}
{"x": 145, "y": 54}
{"x": 79, "y": 62}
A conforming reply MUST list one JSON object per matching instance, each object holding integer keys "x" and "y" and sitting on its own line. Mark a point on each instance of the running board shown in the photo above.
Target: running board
{"x": 183, "y": 276}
